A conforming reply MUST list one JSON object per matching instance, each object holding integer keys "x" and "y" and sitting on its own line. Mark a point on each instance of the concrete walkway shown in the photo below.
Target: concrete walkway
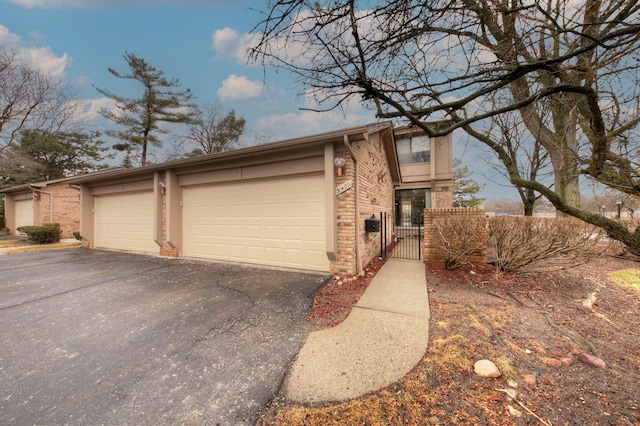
{"x": 384, "y": 337}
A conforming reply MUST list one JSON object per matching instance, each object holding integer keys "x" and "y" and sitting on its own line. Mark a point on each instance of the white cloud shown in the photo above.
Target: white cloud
{"x": 239, "y": 87}
{"x": 7, "y": 37}
{"x": 89, "y": 109}
{"x": 41, "y": 58}
{"x": 291, "y": 125}
{"x": 45, "y": 60}
{"x": 229, "y": 44}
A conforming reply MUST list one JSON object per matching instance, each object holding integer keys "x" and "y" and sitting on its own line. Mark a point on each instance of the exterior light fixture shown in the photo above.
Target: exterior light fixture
{"x": 163, "y": 187}
{"x": 339, "y": 163}
{"x": 619, "y": 204}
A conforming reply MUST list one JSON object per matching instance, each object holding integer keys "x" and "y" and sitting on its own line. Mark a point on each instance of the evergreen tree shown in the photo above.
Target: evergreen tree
{"x": 61, "y": 154}
{"x": 161, "y": 102}
{"x": 465, "y": 189}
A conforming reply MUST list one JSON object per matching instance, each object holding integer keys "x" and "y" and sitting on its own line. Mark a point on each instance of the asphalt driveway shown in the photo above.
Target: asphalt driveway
{"x": 98, "y": 337}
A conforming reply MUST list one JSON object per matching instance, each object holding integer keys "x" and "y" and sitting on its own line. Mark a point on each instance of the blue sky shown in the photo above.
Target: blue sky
{"x": 200, "y": 42}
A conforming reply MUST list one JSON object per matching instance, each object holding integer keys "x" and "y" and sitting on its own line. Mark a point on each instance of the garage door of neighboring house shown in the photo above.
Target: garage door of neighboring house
{"x": 124, "y": 221}
{"x": 24, "y": 213}
{"x": 276, "y": 221}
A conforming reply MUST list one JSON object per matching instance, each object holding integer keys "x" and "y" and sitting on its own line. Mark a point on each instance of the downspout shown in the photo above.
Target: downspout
{"x": 50, "y": 198}
{"x": 347, "y": 144}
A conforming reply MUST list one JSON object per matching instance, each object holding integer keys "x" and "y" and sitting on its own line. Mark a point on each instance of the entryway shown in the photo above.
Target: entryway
{"x": 401, "y": 237}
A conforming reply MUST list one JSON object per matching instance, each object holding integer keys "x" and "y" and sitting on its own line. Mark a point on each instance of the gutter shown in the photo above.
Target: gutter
{"x": 347, "y": 144}
{"x": 34, "y": 189}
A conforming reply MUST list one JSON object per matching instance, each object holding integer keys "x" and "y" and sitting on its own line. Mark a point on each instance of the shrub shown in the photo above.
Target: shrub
{"x": 459, "y": 238}
{"x": 2, "y": 222}
{"x": 77, "y": 235}
{"x": 543, "y": 244}
{"x": 41, "y": 234}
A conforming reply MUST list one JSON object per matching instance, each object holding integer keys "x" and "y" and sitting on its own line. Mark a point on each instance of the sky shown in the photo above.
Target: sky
{"x": 200, "y": 42}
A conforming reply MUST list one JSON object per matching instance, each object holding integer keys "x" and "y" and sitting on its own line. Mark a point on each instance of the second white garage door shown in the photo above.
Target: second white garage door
{"x": 276, "y": 221}
{"x": 124, "y": 221}
{"x": 24, "y": 213}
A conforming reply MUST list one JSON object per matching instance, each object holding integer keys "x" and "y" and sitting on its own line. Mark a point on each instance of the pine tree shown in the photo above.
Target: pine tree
{"x": 160, "y": 102}
{"x": 465, "y": 188}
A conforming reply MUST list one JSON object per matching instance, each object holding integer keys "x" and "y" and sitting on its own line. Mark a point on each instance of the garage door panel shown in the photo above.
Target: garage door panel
{"x": 124, "y": 221}
{"x": 278, "y": 222}
{"x": 23, "y": 213}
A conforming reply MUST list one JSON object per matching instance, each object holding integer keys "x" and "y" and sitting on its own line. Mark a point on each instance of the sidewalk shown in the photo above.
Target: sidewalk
{"x": 384, "y": 337}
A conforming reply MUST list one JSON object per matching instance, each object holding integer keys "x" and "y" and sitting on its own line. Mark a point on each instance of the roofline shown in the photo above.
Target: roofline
{"x": 45, "y": 183}
{"x": 316, "y": 139}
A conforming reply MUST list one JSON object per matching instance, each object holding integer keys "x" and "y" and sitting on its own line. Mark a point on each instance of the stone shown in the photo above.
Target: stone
{"x": 486, "y": 368}
{"x": 566, "y": 361}
{"x": 552, "y": 362}
{"x": 591, "y": 360}
{"x": 514, "y": 411}
{"x": 512, "y": 384}
{"x": 511, "y": 394}
{"x": 530, "y": 379}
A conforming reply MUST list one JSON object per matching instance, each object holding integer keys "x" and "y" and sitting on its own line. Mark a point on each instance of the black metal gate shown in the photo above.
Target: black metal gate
{"x": 401, "y": 236}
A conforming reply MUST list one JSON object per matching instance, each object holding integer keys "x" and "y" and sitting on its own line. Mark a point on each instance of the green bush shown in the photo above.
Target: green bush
{"x": 41, "y": 234}
{"x": 2, "y": 222}
{"x": 77, "y": 235}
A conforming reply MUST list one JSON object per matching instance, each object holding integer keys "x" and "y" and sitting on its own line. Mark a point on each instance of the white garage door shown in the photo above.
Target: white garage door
{"x": 276, "y": 221}
{"x": 125, "y": 221}
{"x": 24, "y": 213}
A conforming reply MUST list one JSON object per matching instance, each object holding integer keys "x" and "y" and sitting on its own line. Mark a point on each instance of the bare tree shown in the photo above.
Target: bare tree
{"x": 526, "y": 152}
{"x": 419, "y": 61}
{"x": 29, "y": 99}
{"x": 214, "y": 131}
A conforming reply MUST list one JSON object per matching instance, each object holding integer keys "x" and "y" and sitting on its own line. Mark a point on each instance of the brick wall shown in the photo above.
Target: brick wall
{"x": 375, "y": 194}
{"x": 345, "y": 263}
{"x": 66, "y": 208}
{"x": 443, "y": 197}
{"x": 431, "y": 252}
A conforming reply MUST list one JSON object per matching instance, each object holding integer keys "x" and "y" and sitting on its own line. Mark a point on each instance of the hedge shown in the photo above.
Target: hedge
{"x": 42, "y": 234}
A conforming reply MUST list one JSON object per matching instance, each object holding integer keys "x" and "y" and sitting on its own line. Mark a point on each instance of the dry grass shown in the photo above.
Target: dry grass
{"x": 43, "y": 247}
{"x": 627, "y": 278}
{"x": 441, "y": 389}
{"x": 13, "y": 243}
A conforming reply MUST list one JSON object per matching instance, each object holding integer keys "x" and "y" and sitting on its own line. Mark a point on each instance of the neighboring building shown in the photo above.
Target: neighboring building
{"x": 284, "y": 204}
{"x": 42, "y": 203}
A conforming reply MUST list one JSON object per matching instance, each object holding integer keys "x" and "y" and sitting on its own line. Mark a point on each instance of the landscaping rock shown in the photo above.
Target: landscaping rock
{"x": 511, "y": 394}
{"x": 552, "y": 362}
{"x": 567, "y": 361}
{"x": 530, "y": 379}
{"x": 486, "y": 368}
{"x": 591, "y": 360}
{"x": 514, "y": 411}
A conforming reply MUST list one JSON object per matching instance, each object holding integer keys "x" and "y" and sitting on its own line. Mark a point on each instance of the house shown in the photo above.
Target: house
{"x": 43, "y": 203}
{"x": 300, "y": 203}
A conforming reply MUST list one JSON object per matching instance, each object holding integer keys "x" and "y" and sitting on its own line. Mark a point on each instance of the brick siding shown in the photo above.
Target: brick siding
{"x": 375, "y": 194}
{"x": 66, "y": 208}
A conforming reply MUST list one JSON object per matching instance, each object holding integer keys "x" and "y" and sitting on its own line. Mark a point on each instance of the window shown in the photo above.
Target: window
{"x": 413, "y": 150}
